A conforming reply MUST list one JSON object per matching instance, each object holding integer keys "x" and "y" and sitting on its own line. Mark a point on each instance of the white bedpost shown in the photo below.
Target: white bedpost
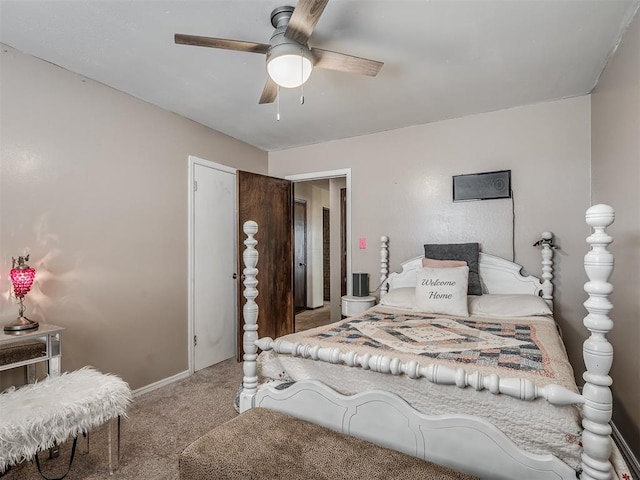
{"x": 250, "y": 315}
{"x": 384, "y": 265}
{"x": 596, "y": 350}
{"x": 546, "y": 243}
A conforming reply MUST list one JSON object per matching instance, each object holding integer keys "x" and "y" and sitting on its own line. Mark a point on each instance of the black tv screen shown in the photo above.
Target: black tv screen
{"x": 482, "y": 186}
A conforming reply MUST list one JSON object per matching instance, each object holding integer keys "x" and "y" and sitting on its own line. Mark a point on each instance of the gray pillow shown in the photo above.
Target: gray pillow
{"x": 469, "y": 252}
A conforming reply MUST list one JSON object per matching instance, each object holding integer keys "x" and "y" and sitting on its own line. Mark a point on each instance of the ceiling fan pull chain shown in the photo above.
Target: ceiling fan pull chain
{"x": 278, "y": 104}
{"x": 301, "y": 77}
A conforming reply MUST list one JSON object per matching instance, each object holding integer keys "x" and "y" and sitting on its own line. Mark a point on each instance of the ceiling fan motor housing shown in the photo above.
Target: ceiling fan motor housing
{"x": 289, "y": 63}
{"x": 281, "y": 15}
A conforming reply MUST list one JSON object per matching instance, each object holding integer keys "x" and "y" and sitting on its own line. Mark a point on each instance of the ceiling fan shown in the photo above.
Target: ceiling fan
{"x": 289, "y": 58}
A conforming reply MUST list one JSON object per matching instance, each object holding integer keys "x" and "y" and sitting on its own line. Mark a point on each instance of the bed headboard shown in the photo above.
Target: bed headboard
{"x": 497, "y": 275}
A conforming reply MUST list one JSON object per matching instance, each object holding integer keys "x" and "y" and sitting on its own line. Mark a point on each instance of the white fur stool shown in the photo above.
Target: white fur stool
{"x": 38, "y": 416}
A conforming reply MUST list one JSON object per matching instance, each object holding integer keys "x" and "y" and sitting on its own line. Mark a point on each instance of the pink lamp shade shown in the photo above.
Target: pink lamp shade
{"x": 22, "y": 279}
{"x": 22, "y": 276}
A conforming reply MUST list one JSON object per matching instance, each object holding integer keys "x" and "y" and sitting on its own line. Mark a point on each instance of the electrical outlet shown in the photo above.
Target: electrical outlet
{"x": 363, "y": 243}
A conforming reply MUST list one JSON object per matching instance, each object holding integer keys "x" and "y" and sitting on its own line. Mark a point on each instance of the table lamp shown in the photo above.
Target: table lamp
{"x": 22, "y": 276}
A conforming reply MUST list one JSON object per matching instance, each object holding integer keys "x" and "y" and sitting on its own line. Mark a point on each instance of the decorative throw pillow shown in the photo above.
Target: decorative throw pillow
{"x": 442, "y": 290}
{"x": 403, "y": 297}
{"x": 469, "y": 252}
{"x": 432, "y": 263}
{"x": 508, "y": 305}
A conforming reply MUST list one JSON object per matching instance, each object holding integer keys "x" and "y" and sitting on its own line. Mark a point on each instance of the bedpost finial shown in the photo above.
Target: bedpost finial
{"x": 545, "y": 241}
{"x": 600, "y": 216}
{"x": 250, "y": 227}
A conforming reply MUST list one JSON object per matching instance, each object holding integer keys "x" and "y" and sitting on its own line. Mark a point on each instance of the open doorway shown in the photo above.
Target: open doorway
{"x": 312, "y": 253}
{"x": 327, "y": 246}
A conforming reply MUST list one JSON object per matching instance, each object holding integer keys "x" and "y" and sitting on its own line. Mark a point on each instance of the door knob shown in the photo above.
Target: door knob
{"x": 302, "y": 264}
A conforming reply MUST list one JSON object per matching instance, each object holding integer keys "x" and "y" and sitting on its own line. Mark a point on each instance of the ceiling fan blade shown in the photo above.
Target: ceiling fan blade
{"x": 221, "y": 43}
{"x": 270, "y": 91}
{"x": 345, "y": 63}
{"x": 304, "y": 19}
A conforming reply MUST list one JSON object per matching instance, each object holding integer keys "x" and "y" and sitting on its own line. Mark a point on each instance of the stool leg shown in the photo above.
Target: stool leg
{"x": 113, "y": 469}
{"x": 86, "y": 435}
{"x": 30, "y": 373}
{"x": 54, "y": 452}
{"x": 110, "y": 462}
{"x": 118, "y": 454}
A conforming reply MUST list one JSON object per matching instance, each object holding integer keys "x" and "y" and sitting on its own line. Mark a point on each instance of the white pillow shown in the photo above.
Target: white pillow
{"x": 442, "y": 290}
{"x": 508, "y": 305}
{"x": 403, "y": 297}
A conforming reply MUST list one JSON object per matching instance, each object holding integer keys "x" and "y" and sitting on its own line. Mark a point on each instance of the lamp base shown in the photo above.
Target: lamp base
{"x": 20, "y": 324}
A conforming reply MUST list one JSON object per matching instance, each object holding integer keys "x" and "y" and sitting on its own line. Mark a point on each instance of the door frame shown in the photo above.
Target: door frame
{"x": 346, "y": 173}
{"x": 193, "y": 161}
{"x": 304, "y": 249}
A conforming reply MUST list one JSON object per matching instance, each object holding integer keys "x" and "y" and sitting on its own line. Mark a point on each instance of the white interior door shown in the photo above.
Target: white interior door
{"x": 214, "y": 265}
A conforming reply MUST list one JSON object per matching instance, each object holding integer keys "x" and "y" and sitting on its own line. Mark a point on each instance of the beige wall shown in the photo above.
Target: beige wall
{"x": 615, "y": 141}
{"x": 401, "y": 187}
{"x": 94, "y": 184}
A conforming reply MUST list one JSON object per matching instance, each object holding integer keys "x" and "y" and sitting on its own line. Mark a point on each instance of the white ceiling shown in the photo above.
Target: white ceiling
{"x": 442, "y": 58}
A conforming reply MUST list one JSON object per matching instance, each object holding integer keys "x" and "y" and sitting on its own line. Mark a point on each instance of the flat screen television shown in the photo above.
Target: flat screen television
{"x": 482, "y": 186}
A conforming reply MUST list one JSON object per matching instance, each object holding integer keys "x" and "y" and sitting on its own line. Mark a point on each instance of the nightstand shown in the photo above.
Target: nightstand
{"x": 353, "y": 305}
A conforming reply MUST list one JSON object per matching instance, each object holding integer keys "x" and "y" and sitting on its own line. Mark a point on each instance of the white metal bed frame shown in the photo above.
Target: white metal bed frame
{"x": 463, "y": 442}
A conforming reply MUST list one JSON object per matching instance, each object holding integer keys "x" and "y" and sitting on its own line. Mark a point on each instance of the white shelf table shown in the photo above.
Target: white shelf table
{"x": 26, "y": 348}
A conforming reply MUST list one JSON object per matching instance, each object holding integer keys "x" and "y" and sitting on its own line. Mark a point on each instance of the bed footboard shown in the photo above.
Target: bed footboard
{"x": 520, "y": 388}
{"x": 385, "y": 419}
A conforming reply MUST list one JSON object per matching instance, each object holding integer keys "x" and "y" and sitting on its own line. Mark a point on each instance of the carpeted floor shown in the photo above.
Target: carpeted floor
{"x": 161, "y": 424}
{"x": 304, "y": 452}
{"x": 313, "y": 318}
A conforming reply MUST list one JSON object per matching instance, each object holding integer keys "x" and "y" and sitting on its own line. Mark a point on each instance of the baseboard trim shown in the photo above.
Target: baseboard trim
{"x": 160, "y": 383}
{"x": 629, "y": 457}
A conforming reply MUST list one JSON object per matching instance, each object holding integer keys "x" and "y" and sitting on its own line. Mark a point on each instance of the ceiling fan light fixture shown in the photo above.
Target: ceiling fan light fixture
{"x": 289, "y": 64}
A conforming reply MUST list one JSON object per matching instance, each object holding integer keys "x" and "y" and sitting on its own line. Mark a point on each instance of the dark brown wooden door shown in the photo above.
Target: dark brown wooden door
{"x": 268, "y": 201}
{"x": 300, "y": 255}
